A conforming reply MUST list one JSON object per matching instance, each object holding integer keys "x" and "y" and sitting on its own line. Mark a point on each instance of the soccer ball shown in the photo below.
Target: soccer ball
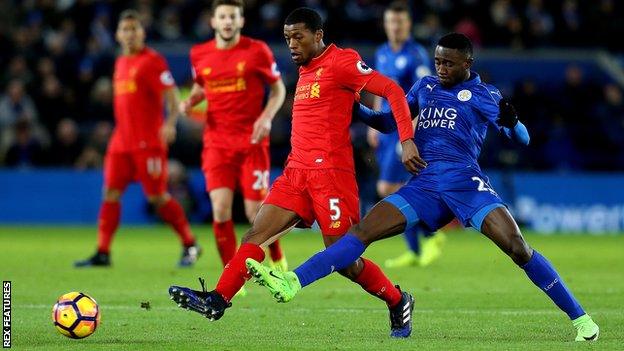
{"x": 76, "y": 315}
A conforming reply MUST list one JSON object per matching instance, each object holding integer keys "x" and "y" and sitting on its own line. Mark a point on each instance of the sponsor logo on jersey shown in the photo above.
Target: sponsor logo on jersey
{"x": 227, "y": 85}
{"x": 334, "y": 225}
{"x": 124, "y": 86}
{"x": 464, "y": 95}
{"x": 306, "y": 91}
{"x": 437, "y": 117}
{"x": 363, "y": 68}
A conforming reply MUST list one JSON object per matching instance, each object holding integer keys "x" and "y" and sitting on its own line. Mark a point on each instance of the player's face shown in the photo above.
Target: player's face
{"x": 397, "y": 26}
{"x": 227, "y": 21}
{"x": 303, "y": 43}
{"x": 452, "y": 66}
{"x": 130, "y": 34}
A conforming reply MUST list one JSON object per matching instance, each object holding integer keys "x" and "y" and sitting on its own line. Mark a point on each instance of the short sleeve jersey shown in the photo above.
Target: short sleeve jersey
{"x": 234, "y": 82}
{"x": 323, "y": 103}
{"x": 138, "y": 84}
{"x": 452, "y": 122}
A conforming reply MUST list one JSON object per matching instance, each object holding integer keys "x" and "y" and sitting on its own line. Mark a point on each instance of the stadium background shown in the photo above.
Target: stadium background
{"x": 561, "y": 62}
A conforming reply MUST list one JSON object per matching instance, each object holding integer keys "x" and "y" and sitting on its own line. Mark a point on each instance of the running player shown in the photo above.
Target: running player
{"x": 455, "y": 111}
{"x": 138, "y": 147}
{"x": 318, "y": 182}
{"x": 405, "y": 61}
{"x": 231, "y": 73}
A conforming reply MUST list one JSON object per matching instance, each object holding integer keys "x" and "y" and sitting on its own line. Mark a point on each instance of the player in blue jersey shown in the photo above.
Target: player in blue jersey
{"x": 405, "y": 61}
{"x": 455, "y": 109}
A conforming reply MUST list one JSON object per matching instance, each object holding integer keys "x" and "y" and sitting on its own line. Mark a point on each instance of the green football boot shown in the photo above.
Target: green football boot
{"x": 282, "y": 285}
{"x": 586, "y": 329}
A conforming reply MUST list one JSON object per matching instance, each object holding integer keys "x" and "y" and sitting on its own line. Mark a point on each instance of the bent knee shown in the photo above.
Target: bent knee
{"x": 353, "y": 271}
{"x": 519, "y": 250}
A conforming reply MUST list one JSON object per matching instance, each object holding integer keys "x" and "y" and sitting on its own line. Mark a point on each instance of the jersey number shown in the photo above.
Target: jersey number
{"x": 262, "y": 180}
{"x": 482, "y": 185}
{"x": 334, "y": 209}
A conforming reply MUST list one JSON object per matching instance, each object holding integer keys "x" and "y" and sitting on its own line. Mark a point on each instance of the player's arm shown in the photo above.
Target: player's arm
{"x": 385, "y": 87}
{"x": 195, "y": 97}
{"x": 262, "y": 126}
{"x": 172, "y": 100}
{"x": 383, "y": 120}
{"x": 511, "y": 126}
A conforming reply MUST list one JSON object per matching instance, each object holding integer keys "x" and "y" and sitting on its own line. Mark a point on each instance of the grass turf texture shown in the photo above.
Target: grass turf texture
{"x": 473, "y": 298}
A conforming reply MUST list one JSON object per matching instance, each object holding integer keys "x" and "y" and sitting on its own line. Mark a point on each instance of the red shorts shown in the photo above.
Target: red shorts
{"x": 329, "y": 196}
{"x": 247, "y": 169}
{"x": 149, "y": 167}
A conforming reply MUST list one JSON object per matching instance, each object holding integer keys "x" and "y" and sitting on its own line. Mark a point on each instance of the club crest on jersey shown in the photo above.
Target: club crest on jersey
{"x": 240, "y": 67}
{"x": 318, "y": 73}
{"x": 464, "y": 95}
{"x": 206, "y": 71}
{"x": 363, "y": 68}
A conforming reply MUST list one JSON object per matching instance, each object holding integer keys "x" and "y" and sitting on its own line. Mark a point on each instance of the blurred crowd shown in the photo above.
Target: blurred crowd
{"x": 57, "y": 58}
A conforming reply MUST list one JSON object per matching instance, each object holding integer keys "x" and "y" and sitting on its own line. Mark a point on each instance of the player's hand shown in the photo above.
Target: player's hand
{"x": 261, "y": 128}
{"x": 185, "y": 107}
{"x": 411, "y": 158}
{"x": 372, "y": 136}
{"x": 168, "y": 133}
{"x": 507, "y": 115}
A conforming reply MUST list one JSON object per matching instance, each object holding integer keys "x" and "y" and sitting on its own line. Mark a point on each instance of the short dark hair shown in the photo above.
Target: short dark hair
{"x": 129, "y": 14}
{"x": 457, "y": 41}
{"x": 399, "y": 6}
{"x": 216, "y": 3}
{"x": 307, "y": 16}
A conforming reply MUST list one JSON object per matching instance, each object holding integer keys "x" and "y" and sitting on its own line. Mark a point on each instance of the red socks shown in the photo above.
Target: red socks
{"x": 172, "y": 213}
{"x": 375, "y": 282}
{"x": 108, "y": 221}
{"x": 226, "y": 240}
{"x": 235, "y": 272}
{"x": 275, "y": 251}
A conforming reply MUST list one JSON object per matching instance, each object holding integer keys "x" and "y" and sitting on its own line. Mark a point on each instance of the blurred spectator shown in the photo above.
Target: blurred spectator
{"x": 26, "y": 151}
{"x": 101, "y": 101}
{"x": 67, "y": 146}
{"x": 93, "y": 154}
{"x": 15, "y": 104}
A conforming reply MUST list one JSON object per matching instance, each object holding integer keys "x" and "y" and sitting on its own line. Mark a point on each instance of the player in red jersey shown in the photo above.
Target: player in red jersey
{"x": 231, "y": 73}
{"x": 318, "y": 182}
{"x": 143, "y": 87}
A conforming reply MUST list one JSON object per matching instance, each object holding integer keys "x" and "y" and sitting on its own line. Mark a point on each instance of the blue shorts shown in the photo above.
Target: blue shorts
{"x": 388, "y": 154}
{"x": 444, "y": 191}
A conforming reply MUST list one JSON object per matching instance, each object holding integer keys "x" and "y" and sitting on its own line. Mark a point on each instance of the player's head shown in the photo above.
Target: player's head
{"x": 303, "y": 31}
{"x": 130, "y": 33}
{"x": 397, "y": 22}
{"x": 227, "y": 19}
{"x": 453, "y": 58}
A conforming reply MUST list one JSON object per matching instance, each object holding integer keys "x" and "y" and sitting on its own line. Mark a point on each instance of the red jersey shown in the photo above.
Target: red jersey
{"x": 321, "y": 114}
{"x": 138, "y": 84}
{"x": 233, "y": 80}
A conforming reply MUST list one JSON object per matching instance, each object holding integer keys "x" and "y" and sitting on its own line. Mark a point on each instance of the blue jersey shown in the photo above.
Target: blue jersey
{"x": 452, "y": 122}
{"x": 451, "y": 127}
{"x": 405, "y": 67}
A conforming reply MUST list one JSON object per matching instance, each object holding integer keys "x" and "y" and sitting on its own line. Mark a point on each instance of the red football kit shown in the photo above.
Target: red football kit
{"x": 234, "y": 83}
{"x": 318, "y": 182}
{"x": 136, "y": 151}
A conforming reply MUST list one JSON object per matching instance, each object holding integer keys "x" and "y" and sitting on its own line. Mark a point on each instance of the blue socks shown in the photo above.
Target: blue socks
{"x": 543, "y": 274}
{"x": 334, "y": 258}
{"x": 411, "y": 237}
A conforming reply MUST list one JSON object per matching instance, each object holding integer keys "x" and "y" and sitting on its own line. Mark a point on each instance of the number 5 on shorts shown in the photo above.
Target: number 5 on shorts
{"x": 334, "y": 209}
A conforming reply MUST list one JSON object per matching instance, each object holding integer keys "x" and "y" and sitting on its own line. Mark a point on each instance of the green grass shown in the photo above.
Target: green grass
{"x": 473, "y": 298}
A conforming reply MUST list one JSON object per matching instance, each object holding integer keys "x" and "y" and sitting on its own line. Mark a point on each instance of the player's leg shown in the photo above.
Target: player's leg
{"x": 221, "y": 171}
{"x": 497, "y": 224}
{"x": 118, "y": 173}
{"x": 254, "y": 183}
{"x": 152, "y": 173}
{"x": 283, "y": 208}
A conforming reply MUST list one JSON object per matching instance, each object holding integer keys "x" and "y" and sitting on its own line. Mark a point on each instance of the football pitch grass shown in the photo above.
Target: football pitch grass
{"x": 473, "y": 298}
